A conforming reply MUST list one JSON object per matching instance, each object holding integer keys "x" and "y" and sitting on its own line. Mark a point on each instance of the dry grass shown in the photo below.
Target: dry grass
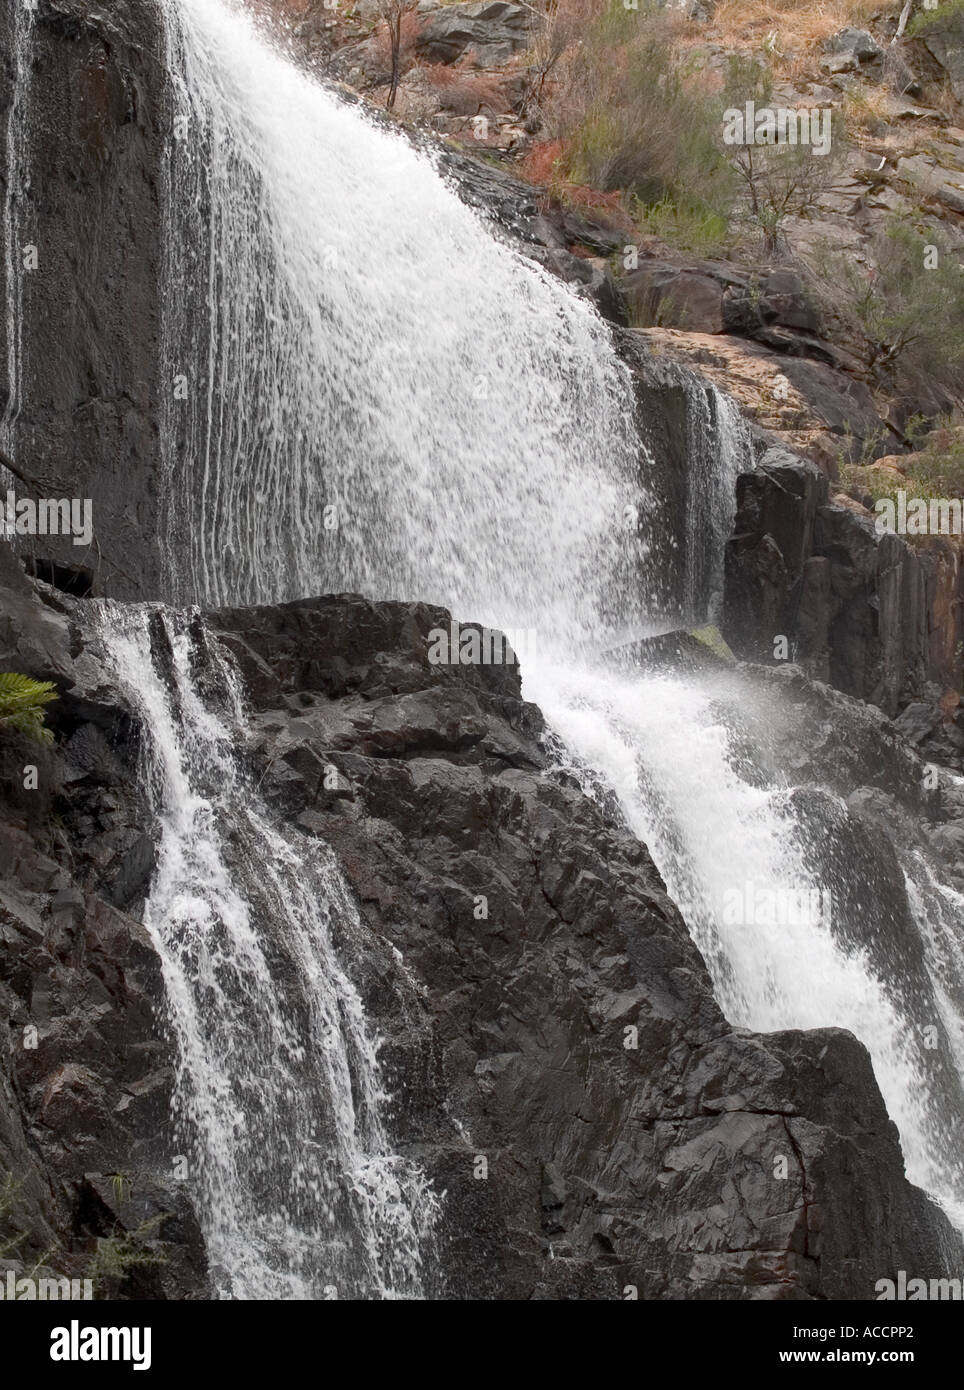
{"x": 465, "y": 93}
{"x": 797, "y": 26}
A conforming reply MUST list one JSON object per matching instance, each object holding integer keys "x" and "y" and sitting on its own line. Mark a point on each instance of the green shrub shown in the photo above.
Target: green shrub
{"x": 687, "y": 224}
{"x": 23, "y": 704}
{"x": 638, "y": 120}
{"x": 116, "y": 1256}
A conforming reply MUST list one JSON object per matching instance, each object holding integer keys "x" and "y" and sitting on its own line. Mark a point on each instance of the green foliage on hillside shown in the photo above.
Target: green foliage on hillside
{"x": 643, "y": 118}
{"x": 637, "y": 121}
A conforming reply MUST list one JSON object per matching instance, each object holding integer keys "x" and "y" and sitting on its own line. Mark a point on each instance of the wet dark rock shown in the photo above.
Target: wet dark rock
{"x": 877, "y": 617}
{"x": 89, "y": 415}
{"x": 542, "y": 1005}
{"x": 608, "y": 1163}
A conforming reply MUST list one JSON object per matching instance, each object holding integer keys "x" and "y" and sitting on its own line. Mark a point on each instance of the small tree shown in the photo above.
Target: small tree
{"x": 393, "y": 12}
{"x": 781, "y": 178}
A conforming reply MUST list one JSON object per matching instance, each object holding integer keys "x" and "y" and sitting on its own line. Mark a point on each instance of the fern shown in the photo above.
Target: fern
{"x": 23, "y": 703}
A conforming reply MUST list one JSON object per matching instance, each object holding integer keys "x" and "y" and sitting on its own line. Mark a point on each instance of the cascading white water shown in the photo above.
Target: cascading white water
{"x": 378, "y": 374}
{"x": 665, "y": 746}
{"x": 279, "y": 1099}
{"x": 389, "y": 398}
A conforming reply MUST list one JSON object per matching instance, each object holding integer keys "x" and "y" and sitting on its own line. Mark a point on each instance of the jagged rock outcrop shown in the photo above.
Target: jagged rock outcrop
{"x": 878, "y": 616}
{"x": 801, "y": 402}
{"x": 944, "y": 38}
{"x": 489, "y": 32}
{"x": 849, "y": 49}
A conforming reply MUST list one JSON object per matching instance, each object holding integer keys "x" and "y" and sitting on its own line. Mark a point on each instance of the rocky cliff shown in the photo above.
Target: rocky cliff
{"x": 880, "y": 621}
{"x": 881, "y": 617}
{"x": 84, "y": 198}
{"x": 635, "y": 1143}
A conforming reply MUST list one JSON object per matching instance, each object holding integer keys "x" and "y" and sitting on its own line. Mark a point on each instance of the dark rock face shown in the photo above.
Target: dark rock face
{"x": 875, "y": 616}
{"x": 564, "y": 1029}
{"x": 686, "y": 1159}
{"x": 90, "y": 206}
{"x": 710, "y": 297}
{"x": 675, "y": 421}
{"x": 85, "y": 1129}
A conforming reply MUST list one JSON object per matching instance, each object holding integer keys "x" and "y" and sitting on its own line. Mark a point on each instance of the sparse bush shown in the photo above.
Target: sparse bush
{"x": 888, "y": 306}
{"x": 781, "y": 179}
{"x": 637, "y": 119}
{"x": 687, "y": 224}
{"x": 396, "y": 40}
{"x": 465, "y": 93}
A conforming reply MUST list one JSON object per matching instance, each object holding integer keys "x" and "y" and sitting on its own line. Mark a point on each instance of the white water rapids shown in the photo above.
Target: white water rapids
{"x": 370, "y": 390}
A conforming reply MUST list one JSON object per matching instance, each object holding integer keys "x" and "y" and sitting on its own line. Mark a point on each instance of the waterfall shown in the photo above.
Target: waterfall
{"x": 279, "y": 1101}
{"x": 372, "y": 390}
{"x": 719, "y": 450}
{"x": 376, "y": 374}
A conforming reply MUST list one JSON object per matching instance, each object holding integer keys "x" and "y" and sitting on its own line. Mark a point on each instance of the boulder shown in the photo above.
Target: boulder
{"x": 492, "y": 31}
{"x": 660, "y": 293}
{"x": 710, "y": 297}
{"x": 777, "y": 296}
{"x": 850, "y": 49}
{"x": 933, "y": 180}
